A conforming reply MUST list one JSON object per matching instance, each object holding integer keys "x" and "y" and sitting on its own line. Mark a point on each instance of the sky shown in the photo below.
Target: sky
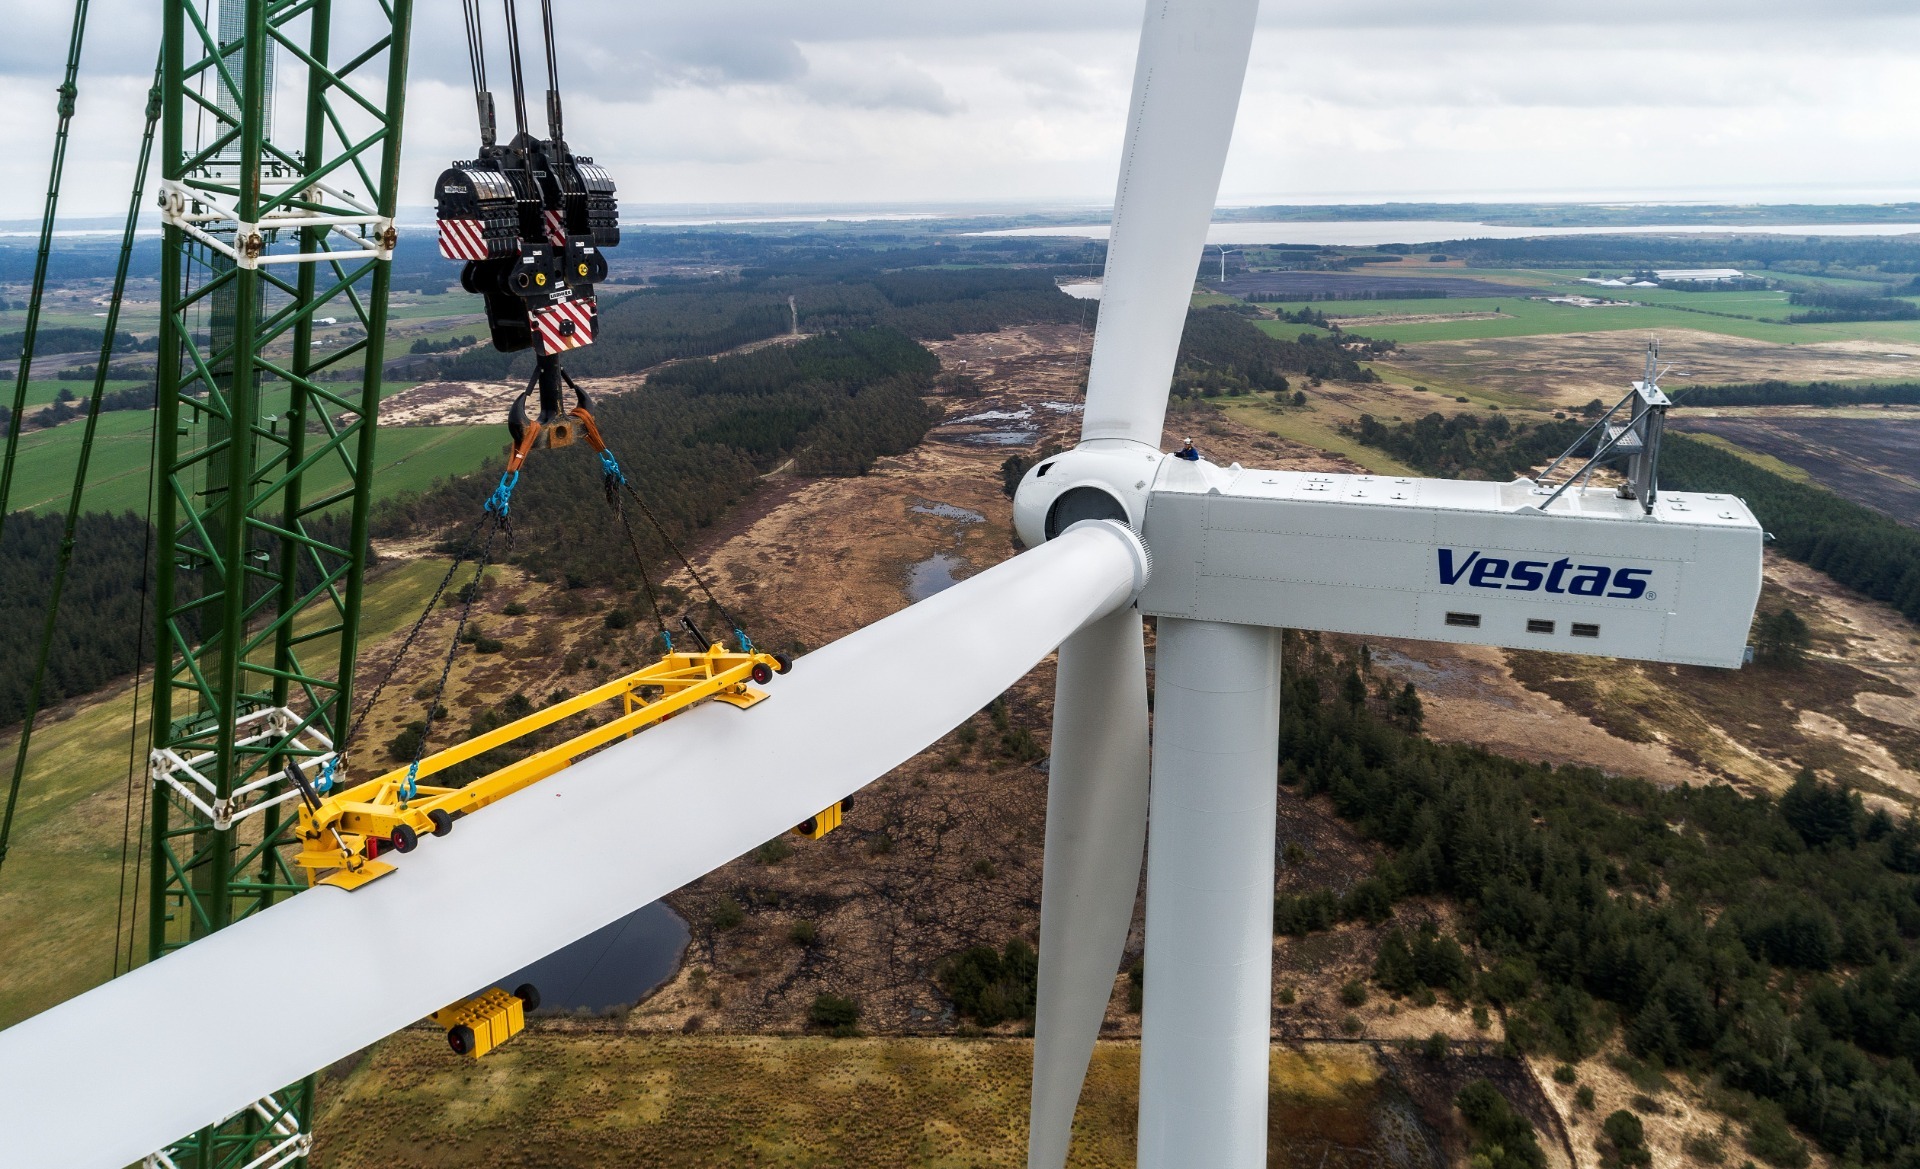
{"x": 947, "y": 104}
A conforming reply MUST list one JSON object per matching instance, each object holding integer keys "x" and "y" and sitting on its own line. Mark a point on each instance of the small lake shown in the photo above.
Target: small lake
{"x": 615, "y": 966}
{"x": 948, "y": 511}
{"x": 933, "y": 575}
{"x": 996, "y": 438}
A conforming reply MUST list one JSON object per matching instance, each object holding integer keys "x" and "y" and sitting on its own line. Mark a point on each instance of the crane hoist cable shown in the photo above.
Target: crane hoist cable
{"x": 613, "y": 481}
{"x": 69, "y": 92}
{"x": 63, "y": 562}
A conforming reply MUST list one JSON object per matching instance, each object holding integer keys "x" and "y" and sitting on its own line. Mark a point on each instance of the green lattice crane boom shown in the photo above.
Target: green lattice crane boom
{"x": 257, "y": 600}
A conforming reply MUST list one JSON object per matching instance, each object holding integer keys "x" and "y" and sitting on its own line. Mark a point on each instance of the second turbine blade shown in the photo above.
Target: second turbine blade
{"x": 1096, "y": 834}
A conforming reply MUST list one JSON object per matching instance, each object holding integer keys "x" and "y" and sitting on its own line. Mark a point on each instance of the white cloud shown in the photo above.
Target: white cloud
{"x": 736, "y": 101}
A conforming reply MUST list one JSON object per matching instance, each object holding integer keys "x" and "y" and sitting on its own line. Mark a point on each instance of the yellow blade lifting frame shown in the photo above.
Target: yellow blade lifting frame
{"x": 343, "y": 836}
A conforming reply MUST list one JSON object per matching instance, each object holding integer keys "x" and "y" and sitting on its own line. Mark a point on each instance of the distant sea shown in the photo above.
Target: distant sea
{"x": 1364, "y": 233}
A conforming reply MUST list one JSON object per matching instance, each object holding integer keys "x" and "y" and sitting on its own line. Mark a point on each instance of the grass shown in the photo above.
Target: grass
{"x": 407, "y": 458}
{"x": 1316, "y": 427}
{"x": 1768, "y": 462}
{"x": 58, "y": 889}
{"x": 1521, "y": 317}
{"x": 684, "y": 1101}
{"x": 40, "y": 391}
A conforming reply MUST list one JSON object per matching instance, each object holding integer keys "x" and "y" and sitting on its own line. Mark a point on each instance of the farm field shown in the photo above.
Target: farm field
{"x": 1476, "y": 318}
{"x": 1573, "y": 368}
{"x": 408, "y": 459}
{"x": 1868, "y": 460}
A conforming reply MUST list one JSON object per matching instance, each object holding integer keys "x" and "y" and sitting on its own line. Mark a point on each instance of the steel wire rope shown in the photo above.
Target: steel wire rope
{"x": 16, "y": 420}
{"x": 63, "y": 562}
{"x": 460, "y": 557}
{"x": 477, "y": 67}
{"x": 614, "y": 475}
{"x": 553, "y": 73}
{"x": 640, "y": 562}
{"x": 133, "y": 726}
{"x": 500, "y": 524}
{"x": 513, "y": 62}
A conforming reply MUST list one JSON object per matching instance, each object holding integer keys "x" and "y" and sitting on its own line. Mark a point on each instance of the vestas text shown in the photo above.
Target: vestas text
{"x": 1475, "y": 569}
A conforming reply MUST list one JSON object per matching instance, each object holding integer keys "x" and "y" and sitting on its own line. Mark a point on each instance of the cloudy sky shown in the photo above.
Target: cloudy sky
{"x": 912, "y": 101}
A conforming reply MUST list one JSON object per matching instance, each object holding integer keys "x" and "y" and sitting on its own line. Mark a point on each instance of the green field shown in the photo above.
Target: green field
{"x": 58, "y": 899}
{"x": 1521, "y": 317}
{"x": 408, "y": 458}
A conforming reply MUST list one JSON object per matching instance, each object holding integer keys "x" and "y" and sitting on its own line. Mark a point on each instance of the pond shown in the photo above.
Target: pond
{"x": 932, "y": 575}
{"x": 612, "y": 967}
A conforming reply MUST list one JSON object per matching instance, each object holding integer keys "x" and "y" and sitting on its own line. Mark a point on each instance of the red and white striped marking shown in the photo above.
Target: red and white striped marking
{"x": 462, "y": 239}
{"x": 564, "y": 326}
{"x": 557, "y": 229}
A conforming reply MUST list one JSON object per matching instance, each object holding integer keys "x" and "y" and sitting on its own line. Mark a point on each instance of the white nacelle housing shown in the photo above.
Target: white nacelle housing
{"x": 1450, "y": 560}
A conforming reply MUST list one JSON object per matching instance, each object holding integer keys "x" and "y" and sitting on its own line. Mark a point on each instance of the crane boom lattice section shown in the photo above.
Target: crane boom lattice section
{"x": 263, "y": 455}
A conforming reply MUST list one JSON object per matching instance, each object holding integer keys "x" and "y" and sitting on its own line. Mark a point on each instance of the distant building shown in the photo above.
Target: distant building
{"x": 1699, "y": 275}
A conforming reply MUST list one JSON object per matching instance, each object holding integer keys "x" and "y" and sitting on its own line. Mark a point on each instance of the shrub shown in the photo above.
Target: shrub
{"x": 1353, "y": 993}
{"x": 1704, "y": 1148}
{"x": 1305, "y": 913}
{"x": 1565, "y": 1074}
{"x": 1626, "y": 1140}
{"x": 832, "y": 1012}
{"x": 773, "y": 851}
{"x": 515, "y": 609}
{"x": 727, "y": 914}
{"x": 991, "y": 987}
{"x": 1503, "y": 1139}
{"x": 405, "y": 747}
{"x": 802, "y": 933}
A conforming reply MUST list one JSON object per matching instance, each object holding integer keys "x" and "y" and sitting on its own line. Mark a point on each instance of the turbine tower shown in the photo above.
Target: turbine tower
{"x": 1237, "y": 555}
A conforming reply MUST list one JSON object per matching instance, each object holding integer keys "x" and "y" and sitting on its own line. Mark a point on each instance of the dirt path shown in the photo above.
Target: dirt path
{"x": 450, "y": 403}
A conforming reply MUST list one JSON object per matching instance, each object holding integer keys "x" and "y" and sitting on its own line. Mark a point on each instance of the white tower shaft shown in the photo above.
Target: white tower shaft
{"x": 1211, "y": 827}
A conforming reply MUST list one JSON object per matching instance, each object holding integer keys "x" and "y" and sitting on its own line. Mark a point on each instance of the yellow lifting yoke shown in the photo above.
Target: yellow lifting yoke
{"x": 344, "y": 832}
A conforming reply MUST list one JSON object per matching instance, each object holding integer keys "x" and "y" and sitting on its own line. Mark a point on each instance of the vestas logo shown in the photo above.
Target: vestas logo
{"x": 1563, "y": 576}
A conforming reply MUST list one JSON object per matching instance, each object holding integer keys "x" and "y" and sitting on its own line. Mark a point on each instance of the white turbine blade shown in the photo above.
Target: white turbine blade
{"x": 544, "y": 868}
{"x": 1186, "y": 90}
{"x": 1096, "y": 835}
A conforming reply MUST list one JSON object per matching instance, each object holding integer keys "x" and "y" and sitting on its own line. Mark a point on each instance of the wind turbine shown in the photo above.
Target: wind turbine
{"x": 1237, "y": 555}
{"x": 1224, "y": 253}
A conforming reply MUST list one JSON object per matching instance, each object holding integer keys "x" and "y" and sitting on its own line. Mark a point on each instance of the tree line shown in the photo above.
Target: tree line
{"x": 650, "y": 326}
{"x": 1832, "y": 307}
{"x": 103, "y": 627}
{"x": 1768, "y": 943}
{"x": 1223, "y": 352}
{"x": 1779, "y": 393}
{"x": 1468, "y": 446}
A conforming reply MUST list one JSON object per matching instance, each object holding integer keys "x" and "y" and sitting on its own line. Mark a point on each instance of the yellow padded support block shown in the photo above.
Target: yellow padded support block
{"x": 477, "y": 1025}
